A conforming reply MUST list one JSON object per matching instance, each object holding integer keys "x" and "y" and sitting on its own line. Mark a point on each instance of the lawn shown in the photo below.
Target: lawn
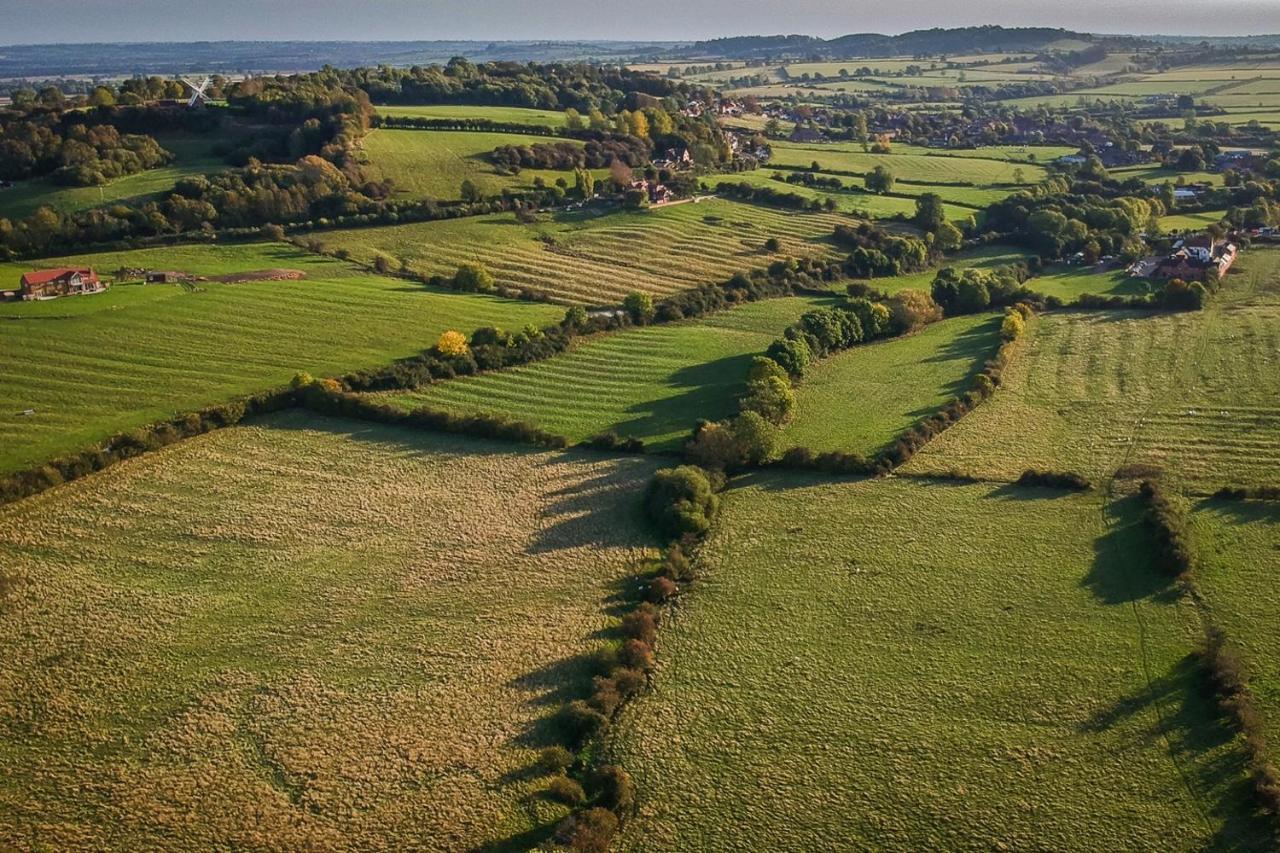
{"x": 94, "y": 365}
{"x": 1067, "y": 283}
{"x": 1191, "y": 221}
{"x": 295, "y": 635}
{"x": 596, "y": 257}
{"x": 654, "y": 383}
{"x": 434, "y": 163}
{"x": 906, "y": 665}
{"x": 194, "y": 157}
{"x": 511, "y": 115}
{"x": 1237, "y": 545}
{"x": 907, "y": 167}
{"x": 1193, "y": 393}
{"x": 859, "y": 400}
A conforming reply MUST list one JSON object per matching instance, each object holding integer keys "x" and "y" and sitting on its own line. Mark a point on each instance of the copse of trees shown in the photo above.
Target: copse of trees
{"x": 594, "y": 154}
{"x": 969, "y": 291}
{"x": 876, "y": 252}
{"x": 78, "y": 154}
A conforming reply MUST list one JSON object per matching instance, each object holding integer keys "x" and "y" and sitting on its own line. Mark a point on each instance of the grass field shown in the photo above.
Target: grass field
{"x": 1191, "y": 221}
{"x": 877, "y": 206}
{"x": 861, "y": 399}
{"x": 1237, "y": 545}
{"x": 904, "y": 665}
{"x": 987, "y": 257}
{"x": 513, "y": 115}
{"x": 1194, "y": 393}
{"x": 907, "y": 167}
{"x": 94, "y": 365}
{"x": 295, "y": 635}
{"x": 1067, "y": 283}
{"x": 654, "y": 383}
{"x": 434, "y": 163}
{"x": 597, "y": 258}
{"x": 194, "y": 157}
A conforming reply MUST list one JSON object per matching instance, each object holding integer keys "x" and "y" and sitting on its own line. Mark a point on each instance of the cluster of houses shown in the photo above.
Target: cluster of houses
{"x": 656, "y": 193}
{"x": 52, "y": 283}
{"x": 1192, "y": 259}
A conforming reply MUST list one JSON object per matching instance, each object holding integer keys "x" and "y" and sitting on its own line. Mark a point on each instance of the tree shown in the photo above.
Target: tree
{"x": 639, "y": 124}
{"x": 473, "y": 278}
{"x": 948, "y": 237}
{"x": 1013, "y": 326}
{"x": 469, "y": 191}
{"x": 879, "y": 180}
{"x": 772, "y": 244}
{"x": 584, "y": 183}
{"x": 911, "y": 309}
{"x": 860, "y": 129}
{"x": 452, "y": 343}
{"x": 681, "y": 500}
{"x": 639, "y": 306}
{"x": 793, "y": 356}
{"x": 930, "y": 213}
{"x": 102, "y": 97}
{"x": 572, "y": 119}
{"x": 772, "y": 398}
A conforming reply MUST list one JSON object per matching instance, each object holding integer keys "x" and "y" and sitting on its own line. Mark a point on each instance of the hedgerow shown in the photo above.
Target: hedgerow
{"x": 1054, "y": 480}
{"x": 1170, "y": 530}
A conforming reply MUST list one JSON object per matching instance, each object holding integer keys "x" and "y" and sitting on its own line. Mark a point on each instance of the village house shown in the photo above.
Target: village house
{"x": 656, "y": 193}
{"x": 675, "y": 159}
{"x": 63, "y": 281}
{"x": 1194, "y": 258}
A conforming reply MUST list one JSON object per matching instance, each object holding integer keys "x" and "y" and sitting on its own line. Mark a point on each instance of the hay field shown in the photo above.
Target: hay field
{"x": 1237, "y": 546}
{"x": 91, "y": 366}
{"x": 861, "y": 399}
{"x": 907, "y": 665}
{"x": 907, "y": 167}
{"x": 297, "y": 636}
{"x": 194, "y": 156}
{"x": 434, "y": 163}
{"x": 1195, "y": 393}
{"x": 595, "y": 258}
{"x": 654, "y": 383}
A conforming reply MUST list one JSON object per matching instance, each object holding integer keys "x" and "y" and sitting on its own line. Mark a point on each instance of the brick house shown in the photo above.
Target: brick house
{"x": 64, "y": 281}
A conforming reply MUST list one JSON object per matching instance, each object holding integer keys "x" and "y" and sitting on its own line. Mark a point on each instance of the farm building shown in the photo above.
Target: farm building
{"x": 1193, "y": 258}
{"x": 63, "y": 281}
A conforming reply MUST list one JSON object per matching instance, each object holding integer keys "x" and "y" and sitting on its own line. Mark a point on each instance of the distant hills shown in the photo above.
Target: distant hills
{"x": 924, "y": 42}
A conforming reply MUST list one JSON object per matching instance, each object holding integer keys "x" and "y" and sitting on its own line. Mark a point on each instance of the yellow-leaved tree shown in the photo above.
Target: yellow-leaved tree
{"x": 452, "y": 343}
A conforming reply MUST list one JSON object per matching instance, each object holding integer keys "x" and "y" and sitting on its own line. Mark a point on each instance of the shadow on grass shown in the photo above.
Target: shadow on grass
{"x": 711, "y": 391}
{"x": 528, "y": 840}
{"x": 1122, "y": 569}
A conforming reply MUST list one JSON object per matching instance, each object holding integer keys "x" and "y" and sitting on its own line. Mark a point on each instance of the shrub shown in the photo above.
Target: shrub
{"x": 613, "y": 788}
{"x": 641, "y": 624}
{"x": 581, "y": 721}
{"x": 662, "y": 590}
{"x": 764, "y": 368}
{"x": 562, "y": 789}
{"x": 910, "y": 309}
{"x": 589, "y": 831}
{"x": 1054, "y": 480}
{"x": 1013, "y": 326}
{"x": 636, "y": 654}
{"x": 555, "y": 759}
{"x": 676, "y": 565}
{"x": 473, "y": 278}
{"x": 772, "y": 398}
{"x": 793, "y": 356}
{"x": 639, "y": 306}
{"x": 612, "y": 441}
{"x": 681, "y": 500}
{"x": 452, "y": 343}
{"x": 772, "y": 244}
{"x": 1169, "y": 527}
{"x": 628, "y": 682}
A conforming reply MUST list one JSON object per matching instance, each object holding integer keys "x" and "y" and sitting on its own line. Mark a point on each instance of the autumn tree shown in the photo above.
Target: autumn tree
{"x": 452, "y": 343}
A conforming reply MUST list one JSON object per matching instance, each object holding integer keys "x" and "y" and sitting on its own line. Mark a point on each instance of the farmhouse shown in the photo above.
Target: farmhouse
{"x": 63, "y": 281}
{"x": 1192, "y": 259}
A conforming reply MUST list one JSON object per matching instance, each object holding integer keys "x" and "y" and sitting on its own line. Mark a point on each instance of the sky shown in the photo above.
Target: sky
{"x": 43, "y": 21}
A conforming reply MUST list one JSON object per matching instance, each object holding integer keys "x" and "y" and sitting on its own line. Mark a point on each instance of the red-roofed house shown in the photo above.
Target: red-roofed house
{"x": 64, "y": 281}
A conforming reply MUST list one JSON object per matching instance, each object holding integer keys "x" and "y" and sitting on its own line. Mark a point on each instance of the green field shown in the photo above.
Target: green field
{"x": 906, "y": 665}
{"x": 1191, "y": 221}
{"x": 293, "y": 634}
{"x": 194, "y": 157}
{"x": 654, "y": 383}
{"x": 906, "y": 167}
{"x": 434, "y": 163}
{"x": 1067, "y": 283}
{"x": 859, "y": 400}
{"x": 512, "y": 115}
{"x": 595, "y": 258}
{"x": 1238, "y": 544}
{"x": 94, "y": 365}
{"x": 986, "y": 257}
{"x": 877, "y": 206}
{"x": 1195, "y": 394}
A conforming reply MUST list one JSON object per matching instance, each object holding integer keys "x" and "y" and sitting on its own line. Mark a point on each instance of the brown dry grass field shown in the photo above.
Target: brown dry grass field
{"x": 303, "y": 634}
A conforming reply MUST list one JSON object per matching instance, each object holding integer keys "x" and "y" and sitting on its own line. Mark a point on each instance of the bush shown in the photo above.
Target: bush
{"x": 581, "y": 721}
{"x": 473, "y": 278}
{"x": 1170, "y": 530}
{"x": 562, "y": 789}
{"x": 1054, "y": 480}
{"x": 1013, "y": 326}
{"x": 772, "y": 244}
{"x": 639, "y": 306}
{"x": 793, "y": 356}
{"x": 641, "y": 624}
{"x": 772, "y": 398}
{"x": 764, "y": 368}
{"x": 746, "y": 440}
{"x": 452, "y": 343}
{"x": 555, "y": 759}
{"x": 612, "y": 441}
{"x": 662, "y": 590}
{"x": 613, "y": 788}
{"x": 681, "y": 500}
{"x": 910, "y": 309}
{"x": 636, "y": 654}
{"x": 590, "y": 831}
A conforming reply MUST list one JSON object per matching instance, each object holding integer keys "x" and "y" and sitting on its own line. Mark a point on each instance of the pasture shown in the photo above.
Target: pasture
{"x": 91, "y": 366}
{"x": 194, "y": 156}
{"x": 595, "y": 257}
{"x": 903, "y": 664}
{"x": 859, "y": 400}
{"x": 1237, "y": 544}
{"x": 434, "y": 163}
{"x": 1193, "y": 394}
{"x": 922, "y": 168}
{"x": 855, "y": 202}
{"x": 296, "y": 635}
{"x": 653, "y": 383}
{"x": 512, "y": 115}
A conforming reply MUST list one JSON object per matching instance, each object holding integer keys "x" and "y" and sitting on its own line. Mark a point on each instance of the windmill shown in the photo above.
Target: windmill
{"x": 198, "y": 97}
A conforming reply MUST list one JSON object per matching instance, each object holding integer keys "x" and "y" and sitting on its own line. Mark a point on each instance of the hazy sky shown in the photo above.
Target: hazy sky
{"x": 28, "y": 21}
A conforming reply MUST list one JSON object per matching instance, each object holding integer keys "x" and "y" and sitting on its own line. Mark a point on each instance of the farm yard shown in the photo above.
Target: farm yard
{"x": 869, "y": 452}
{"x": 595, "y": 257}
{"x": 302, "y": 618}
{"x": 138, "y": 353}
{"x": 871, "y": 665}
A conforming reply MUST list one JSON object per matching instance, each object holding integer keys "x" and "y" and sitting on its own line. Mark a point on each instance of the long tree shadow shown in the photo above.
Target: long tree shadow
{"x": 1122, "y": 569}
{"x": 711, "y": 393}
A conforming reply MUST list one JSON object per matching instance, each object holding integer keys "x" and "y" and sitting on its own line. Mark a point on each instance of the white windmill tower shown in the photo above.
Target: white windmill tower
{"x": 198, "y": 97}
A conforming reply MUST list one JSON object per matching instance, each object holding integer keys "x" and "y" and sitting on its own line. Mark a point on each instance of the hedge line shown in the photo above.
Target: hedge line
{"x": 1170, "y": 530}
{"x": 1244, "y": 493}
{"x": 135, "y": 442}
{"x": 1054, "y": 480}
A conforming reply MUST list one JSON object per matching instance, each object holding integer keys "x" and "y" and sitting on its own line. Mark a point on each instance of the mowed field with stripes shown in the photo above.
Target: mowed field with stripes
{"x": 90, "y": 366}
{"x": 593, "y": 258}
